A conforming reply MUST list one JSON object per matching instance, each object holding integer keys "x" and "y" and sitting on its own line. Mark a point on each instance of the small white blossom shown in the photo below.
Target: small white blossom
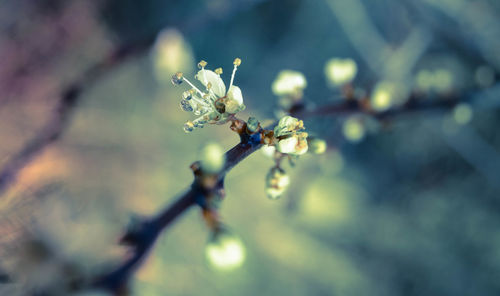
{"x": 225, "y": 251}
{"x": 439, "y": 80}
{"x": 462, "y": 113}
{"x": 340, "y": 71}
{"x": 214, "y": 105}
{"x": 289, "y": 83}
{"x": 277, "y": 182}
{"x": 317, "y": 146}
{"x": 288, "y": 145}
{"x": 290, "y": 135}
{"x": 384, "y": 96}
{"x": 353, "y": 129}
{"x": 287, "y": 125}
{"x": 268, "y": 150}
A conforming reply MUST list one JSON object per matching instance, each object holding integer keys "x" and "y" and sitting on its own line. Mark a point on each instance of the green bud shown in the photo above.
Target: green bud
{"x": 252, "y": 124}
{"x": 317, "y": 146}
{"x": 224, "y": 250}
{"x": 212, "y": 158}
{"x": 276, "y": 183}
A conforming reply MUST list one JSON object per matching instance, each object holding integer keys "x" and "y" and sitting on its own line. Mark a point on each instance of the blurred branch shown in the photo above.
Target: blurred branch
{"x": 69, "y": 99}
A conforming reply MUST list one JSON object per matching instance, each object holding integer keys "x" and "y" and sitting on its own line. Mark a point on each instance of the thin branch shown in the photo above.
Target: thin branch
{"x": 143, "y": 238}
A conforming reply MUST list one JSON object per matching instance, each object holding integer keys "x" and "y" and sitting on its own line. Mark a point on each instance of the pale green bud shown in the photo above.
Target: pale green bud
{"x": 289, "y": 82}
{"x": 340, "y": 71}
{"x": 212, "y": 158}
{"x": 277, "y": 182}
{"x": 225, "y": 251}
{"x": 317, "y": 146}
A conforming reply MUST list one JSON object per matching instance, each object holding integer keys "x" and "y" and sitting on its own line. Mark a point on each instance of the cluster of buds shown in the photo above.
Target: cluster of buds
{"x": 215, "y": 105}
{"x": 290, "y": 136}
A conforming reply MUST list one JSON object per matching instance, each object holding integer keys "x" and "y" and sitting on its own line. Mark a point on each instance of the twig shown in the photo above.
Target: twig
{"x": 143, "y": 237}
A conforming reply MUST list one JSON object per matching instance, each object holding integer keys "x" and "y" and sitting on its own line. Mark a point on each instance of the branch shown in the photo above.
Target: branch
{"x": 143, "y": 237}
{"x": 69, "y": 99}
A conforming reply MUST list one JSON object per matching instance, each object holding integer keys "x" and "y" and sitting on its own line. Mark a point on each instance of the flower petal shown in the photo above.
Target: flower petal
{"x": 289, "y": 82}
{"x": 234, "y": 99}
{"x": 207, "y": 76}
{"x": 287, "y": 145}
{"x": 286, "y": 126}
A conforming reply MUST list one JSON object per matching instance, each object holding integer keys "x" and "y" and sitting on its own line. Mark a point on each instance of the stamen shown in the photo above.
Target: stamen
{"x": 192, "y": 85}
{"x": 211, "y": 95}
{"x": 188, "y": 126}
{"x": 236, "y": 63}
{"x": 202, "y": 64}
{"x": 200, "y": 101}
{"x": 186, "y": 105}
{"x": 187, "y": 95}
{"x": 177, "y": 78}
{"x": 204, "y": 77}
{"x": 218, "y": 71}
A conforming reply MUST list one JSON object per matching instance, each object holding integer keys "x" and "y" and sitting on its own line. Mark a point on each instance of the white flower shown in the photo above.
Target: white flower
{"x": 388, "y": 94}
{"x": 215, "y": 105}
{"x": 340, "y": 71}
{"x": 440, "y": 80}
{"x": 287, "y": 125}
{"x": 277, "y": 182}
{"x": 291, "y": 138}
{"x": 225, "y": 251}
{"x": 317, "y": 146}
{"x": 268, "y": 150}
{"x": 287, "y": 145}
{"x": 383, "y": 96}
{"x": 353, "y": 129}
{"x": 289, "y": 83}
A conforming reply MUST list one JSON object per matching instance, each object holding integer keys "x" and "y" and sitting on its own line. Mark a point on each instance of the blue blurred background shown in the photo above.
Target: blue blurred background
{"x": 403, "y": 206}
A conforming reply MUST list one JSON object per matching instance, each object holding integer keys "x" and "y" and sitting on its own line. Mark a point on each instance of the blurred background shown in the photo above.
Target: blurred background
{"x": 404, "y": 206}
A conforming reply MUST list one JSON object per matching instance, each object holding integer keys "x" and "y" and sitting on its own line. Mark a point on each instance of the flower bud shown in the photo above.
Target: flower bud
{"x": 317, "y": 146}
{"x": 289, "y": 83}
{"x": 212, "y": 158}
{"x": 340, "y": 71}
{"x": 276, "y": 183}
{"x": 224, "y": 250}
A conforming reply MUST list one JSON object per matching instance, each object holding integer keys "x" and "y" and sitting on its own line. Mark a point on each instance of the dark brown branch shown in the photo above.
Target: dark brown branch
{"x": 143, "y": 237}
{"x": 61, "y": 117}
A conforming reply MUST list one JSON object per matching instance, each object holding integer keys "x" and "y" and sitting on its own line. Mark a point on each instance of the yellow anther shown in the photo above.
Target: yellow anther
{"x": 209, "y": 85}
{"x": 218, "y": 71}
{"x": 300, "y": 124}
{"x": 202, "y": 64}
{"x": 192, "y": 91}
{"x": 179, "y": 75}
{"x": 237, "y": 62}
